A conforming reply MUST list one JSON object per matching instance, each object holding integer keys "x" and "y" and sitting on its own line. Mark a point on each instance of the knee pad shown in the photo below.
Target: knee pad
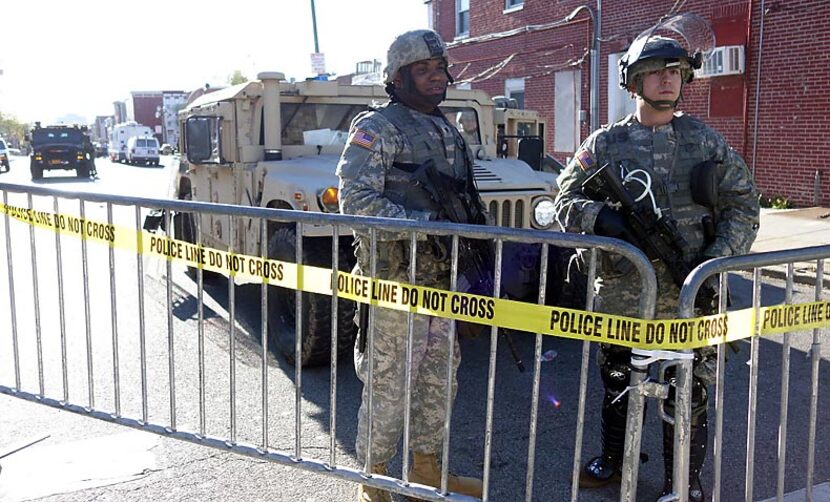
{"x": 700, "y": 400}
{"x": 615, "y": 369}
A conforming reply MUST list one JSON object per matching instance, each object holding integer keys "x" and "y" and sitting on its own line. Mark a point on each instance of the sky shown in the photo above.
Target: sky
{"x": 63, "y": 58}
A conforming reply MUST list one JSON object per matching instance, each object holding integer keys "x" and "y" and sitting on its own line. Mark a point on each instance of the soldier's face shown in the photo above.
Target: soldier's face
{"x": 423, "y": 84}
{"x": 662, "y": 85}
{"x": 430, "y": 77}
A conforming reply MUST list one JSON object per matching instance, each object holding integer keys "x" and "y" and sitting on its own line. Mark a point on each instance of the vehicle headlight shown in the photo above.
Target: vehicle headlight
{"x": 543, "y": 214}
{"x": 329, "y": 199}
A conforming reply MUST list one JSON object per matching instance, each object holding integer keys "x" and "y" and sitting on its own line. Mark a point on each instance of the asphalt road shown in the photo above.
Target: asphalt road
{"x": 88, "y": 459}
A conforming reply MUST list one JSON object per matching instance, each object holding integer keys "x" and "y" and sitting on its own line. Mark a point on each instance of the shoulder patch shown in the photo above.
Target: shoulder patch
{"x": 585, "y": 160}
{"x": 363, "y": 139}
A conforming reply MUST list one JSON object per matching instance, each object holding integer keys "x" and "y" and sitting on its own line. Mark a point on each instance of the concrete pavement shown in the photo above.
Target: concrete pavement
{"x": 792, "y": 229}
{"x": 783, "y": 229}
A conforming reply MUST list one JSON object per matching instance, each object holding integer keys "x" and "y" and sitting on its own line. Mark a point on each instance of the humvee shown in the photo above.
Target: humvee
{"x": 275, "y": 144}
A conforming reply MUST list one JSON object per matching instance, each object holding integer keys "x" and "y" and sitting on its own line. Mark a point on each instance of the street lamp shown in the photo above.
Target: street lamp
{"x": 595, "y": 26}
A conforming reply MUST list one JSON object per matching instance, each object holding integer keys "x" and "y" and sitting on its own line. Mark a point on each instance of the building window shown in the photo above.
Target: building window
{"x": 462, "y": 18}
{"x": 430, "y": 14}
{"x": 514, "y": 88}
{"x": 620, "y": 103}
{"x": 513, "y": 5}
{"x": 568, "y": 102}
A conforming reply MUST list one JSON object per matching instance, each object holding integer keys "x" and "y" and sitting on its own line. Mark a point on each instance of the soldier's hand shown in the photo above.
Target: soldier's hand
{"x": 610, "y": 223}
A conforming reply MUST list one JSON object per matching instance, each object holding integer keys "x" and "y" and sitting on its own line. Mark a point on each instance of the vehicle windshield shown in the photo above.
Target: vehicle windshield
{"x": 328, "y": 124}
{"x": 44, "y": 136}
{"x": 2, "y": 145}
{"x": 466, "y": 121}
{"x": 317, "y": 123}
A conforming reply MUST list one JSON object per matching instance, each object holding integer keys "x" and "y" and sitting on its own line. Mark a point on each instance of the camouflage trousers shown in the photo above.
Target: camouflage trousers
{"x": 620, "y": 295}
{"x": 430, "y": 358}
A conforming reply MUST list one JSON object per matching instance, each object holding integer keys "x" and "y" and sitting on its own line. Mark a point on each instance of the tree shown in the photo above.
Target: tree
{"x": 12, "y": 129}
{"x": 237, "y": 78}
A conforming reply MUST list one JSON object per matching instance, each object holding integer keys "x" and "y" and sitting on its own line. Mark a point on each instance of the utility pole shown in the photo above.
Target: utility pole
{"x": 314, "y": 25}
{"x": 318, "y": 59}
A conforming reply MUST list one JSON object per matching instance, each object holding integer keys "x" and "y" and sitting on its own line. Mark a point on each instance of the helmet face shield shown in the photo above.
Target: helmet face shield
{"x": 663, "y": 41}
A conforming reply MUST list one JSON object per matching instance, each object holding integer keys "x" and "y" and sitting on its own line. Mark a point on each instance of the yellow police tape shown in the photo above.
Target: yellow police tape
{"x": 672, "y": 334}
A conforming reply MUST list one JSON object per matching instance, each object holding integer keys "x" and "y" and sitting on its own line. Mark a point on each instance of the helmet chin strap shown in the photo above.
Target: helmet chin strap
{"x": 659, "y": 104}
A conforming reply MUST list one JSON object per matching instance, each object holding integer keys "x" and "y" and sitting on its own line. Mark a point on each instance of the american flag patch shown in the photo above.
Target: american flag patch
{"x": 364, "y": 139}
{"x": 584, "y": 159}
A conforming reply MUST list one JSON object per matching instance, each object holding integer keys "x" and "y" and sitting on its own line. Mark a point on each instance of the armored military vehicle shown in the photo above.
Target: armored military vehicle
{"x": 65, "y": 147}
{"x": 271, "y": 143}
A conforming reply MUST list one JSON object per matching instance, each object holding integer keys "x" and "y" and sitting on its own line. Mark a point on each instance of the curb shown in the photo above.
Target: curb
{"x": 799, "y": 276}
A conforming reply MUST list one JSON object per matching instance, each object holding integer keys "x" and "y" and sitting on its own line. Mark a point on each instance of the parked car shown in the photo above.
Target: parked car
{"x": 4, "y": 157}
{"x": 166, "y": 149}
{"x": 100, "y": 149}
{"x": 143, "y": 150}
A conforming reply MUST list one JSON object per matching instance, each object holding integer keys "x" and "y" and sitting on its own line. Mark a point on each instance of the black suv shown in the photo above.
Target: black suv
{"x": 61, "y": 147}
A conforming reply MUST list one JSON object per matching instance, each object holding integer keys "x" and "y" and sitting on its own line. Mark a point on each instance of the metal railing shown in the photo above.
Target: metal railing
{"x": 719, "y": 268}
{"x": 161, "y": 343}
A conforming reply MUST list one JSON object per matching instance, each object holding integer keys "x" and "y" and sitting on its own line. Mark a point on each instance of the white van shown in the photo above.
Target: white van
{"x": 143, "y": 150}
{"x": 120, "y": 134}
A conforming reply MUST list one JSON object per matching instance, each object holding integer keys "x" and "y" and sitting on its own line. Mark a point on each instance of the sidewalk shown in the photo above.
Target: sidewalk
{"x": 793, "y": 229}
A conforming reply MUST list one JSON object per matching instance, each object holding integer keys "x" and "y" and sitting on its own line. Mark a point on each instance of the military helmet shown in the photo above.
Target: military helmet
{"x": 412, "y": 46}
{"x": 657, "y": 53}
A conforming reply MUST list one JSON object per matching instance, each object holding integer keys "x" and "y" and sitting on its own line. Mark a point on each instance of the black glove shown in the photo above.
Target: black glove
{"x": 610, "y": 223}
{"x": 441, "y": 247}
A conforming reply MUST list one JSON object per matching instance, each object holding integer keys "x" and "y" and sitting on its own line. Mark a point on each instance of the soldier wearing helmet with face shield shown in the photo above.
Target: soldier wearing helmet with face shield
{"x": 682, "y": 170}
{"x": 386, "y": 148}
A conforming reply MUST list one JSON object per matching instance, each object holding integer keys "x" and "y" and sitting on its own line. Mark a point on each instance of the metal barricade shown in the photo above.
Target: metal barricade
{"x": 161, "y": 374}
{"x": 720, "y": 268}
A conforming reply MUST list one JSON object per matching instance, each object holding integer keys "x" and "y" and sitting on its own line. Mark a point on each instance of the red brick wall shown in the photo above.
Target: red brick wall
{"x": 793, "y": 140}
{"x": 145, "y": 112}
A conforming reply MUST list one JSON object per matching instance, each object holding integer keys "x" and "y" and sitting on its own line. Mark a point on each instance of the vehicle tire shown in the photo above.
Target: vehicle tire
{"x": 37, "y": 171}
{"x": 316, "y": 313}
{"x": 184, "y": 229}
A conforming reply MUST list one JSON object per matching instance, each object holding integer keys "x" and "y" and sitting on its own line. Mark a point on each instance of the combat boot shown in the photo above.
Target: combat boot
{"x": 697, "y": 456}
{"x": 598, "y": 472}
{"x": 605, "y": 469}
{"x": 426, "y": 471}
{"x": 371, "y": 494}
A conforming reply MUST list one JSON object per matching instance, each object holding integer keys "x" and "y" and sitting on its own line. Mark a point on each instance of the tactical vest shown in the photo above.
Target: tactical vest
{"x": 449, "y": 157}
{"x": 672, "y": 192}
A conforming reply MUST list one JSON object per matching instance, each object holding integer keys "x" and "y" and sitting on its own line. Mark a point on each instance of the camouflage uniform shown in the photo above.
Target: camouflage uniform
{"x": 668, "y": 153}
{"x": 384, "y": 145}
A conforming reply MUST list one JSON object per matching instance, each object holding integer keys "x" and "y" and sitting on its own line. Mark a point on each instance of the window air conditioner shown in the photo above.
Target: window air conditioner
{"x": 725, "y": 60}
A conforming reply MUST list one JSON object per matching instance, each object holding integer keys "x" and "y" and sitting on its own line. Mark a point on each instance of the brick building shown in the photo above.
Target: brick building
{"x": 773, "y": 111}
{"x": 145, "y": 108}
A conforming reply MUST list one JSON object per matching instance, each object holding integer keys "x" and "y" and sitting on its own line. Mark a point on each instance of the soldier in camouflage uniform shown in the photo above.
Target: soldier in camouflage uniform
{"x": 386, "y": 147}
{"x": 670, "y": 149}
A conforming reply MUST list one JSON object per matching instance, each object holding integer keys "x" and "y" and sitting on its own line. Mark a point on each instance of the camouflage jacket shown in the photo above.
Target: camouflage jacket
{"x": 373, "y": 179}
{"x": 667, "y": 155}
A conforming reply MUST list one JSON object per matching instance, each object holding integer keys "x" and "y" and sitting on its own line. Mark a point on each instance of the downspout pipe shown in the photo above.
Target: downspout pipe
{"x": 594, "y": 95}
{"x": 748, "y": 64}
{"x": 758, "y": 91}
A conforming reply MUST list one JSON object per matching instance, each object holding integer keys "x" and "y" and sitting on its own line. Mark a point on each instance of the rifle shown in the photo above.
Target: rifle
{"x": 459, "y": 204}
{"x": 657, "y": 236}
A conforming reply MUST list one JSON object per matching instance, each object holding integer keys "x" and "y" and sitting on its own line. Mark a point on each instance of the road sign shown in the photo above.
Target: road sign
{"x": 318, "y": 63}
